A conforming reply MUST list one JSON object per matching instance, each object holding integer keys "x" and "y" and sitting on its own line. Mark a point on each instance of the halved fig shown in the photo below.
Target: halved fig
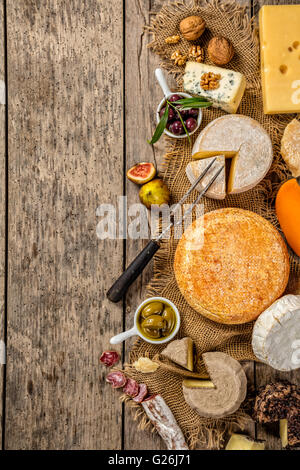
{"x": 141, "y": 173}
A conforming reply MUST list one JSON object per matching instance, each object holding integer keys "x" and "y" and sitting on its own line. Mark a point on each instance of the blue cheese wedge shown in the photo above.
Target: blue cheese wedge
{"x": 229, "y": 93}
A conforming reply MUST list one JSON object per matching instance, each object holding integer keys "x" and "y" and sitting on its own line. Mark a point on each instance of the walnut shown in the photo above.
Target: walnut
{"x": 178, "y": 58}
{"x": 197, "y": 53}
{"x": 210, "y": 81}
{"x": 172, "y": 39}
{"x": 192, "y": 27}
{"x": 220, "y": 50}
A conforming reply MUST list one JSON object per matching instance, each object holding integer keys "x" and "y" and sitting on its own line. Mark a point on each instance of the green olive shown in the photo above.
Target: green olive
{"x": 155, "y": 322}
{"x": 169, "y": 316}
{"x": 155, "y": 334}
{"x": 153, "y": 308}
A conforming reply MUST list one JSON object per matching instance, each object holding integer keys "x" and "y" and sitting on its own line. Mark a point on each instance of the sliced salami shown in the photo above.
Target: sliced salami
{"x": 109, "y": 358}
{"x": 143, "y": 391}
{"x": 131, "y": 388}
{"x": 116, "y": 379}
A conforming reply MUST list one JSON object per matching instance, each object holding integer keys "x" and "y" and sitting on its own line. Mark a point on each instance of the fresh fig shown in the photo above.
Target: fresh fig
{"x": 141, "y": 173}
{"x": 155, "y": 192}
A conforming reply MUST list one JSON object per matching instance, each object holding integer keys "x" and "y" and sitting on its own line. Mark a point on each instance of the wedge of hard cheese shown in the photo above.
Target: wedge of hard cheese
{"x": 290, "y": 147}
{"x": 276, "y": 334}
{"x": 245, "y": 141}
{"x": 226, "y": 96}
{"x": 241, "y": 442}
{"x": 180, "y": 351}
{"x": 218, "y": 188}
{"x": 230, "y": 390}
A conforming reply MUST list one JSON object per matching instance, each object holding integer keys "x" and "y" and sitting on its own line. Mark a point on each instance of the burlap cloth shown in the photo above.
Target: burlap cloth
{"x": 232, "y": 21}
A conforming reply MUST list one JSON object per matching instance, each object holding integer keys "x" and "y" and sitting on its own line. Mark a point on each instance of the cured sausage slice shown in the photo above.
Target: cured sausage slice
{"x": 143, "y": 391}
{"x": 131, "y": 388}
{"x": 109, "y": 358}
{"x": 166, "y": 425}
{"x": 116, "y": 379}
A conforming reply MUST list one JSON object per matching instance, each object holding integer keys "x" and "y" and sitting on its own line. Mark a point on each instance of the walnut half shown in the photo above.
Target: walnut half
{"x": 210, "y": 81}
{"x": 172, "y": 39}
{"x": 197, "y": 53}
{"x": 178, "y": 58}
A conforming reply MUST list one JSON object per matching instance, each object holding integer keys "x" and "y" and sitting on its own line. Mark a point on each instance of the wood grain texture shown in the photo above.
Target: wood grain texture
{"x": 263, "y": 373}
{"x": 65, "y": 158}
{"x": 2, "y": 208}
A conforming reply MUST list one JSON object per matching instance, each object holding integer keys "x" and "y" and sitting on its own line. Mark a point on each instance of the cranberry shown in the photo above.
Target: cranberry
{"x": 176, "y": 128}
{"x": 174, "y": 98}
{"x": 191, "y": 124}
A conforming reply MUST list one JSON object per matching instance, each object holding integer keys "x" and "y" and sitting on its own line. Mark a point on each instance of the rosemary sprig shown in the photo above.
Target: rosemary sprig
{"x": 185, "y": 103}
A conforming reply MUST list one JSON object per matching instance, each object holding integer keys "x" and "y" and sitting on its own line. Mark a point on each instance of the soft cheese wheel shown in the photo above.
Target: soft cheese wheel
{"x": 218, "y": 188}
{"x": 250, "y": 141}
{"x": 230, "y": 265}
{"x": 230, "y": 389}
{"x": 276, "y": 334}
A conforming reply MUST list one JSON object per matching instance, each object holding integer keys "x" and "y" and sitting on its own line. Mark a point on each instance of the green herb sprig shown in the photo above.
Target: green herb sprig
{"x": 185, "y": 103}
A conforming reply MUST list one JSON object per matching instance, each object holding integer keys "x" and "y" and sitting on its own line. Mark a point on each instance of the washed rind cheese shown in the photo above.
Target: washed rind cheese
{"x": 230, "y": 389}
{"x": 180, "y": 351}
{"x": 218, "y": 188}
{"x": 241, "y": 442}
{"x": 276, "y": 334}
{"x": 230, "y": 92}
{"x": 290, "y": 147}
{"x": 230, "y": 265}
{"x": 249, "y": 142}
{"x": 280, "y": 48}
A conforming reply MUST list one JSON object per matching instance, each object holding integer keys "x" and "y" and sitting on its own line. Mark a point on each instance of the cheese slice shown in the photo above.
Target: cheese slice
{"x": 283, "y": 430}
{"x": 276, "y": 334}
{"x": 290, "y": 146}
{"x": 194, "y": 383}
{"x": 211, "y": 153}
{"x": 241, "y": 442}
{"x": 247, "y": 140}
{"x": 181, "y": 352}
{"x": 280, "y": 52}
{"x": 227, "y": 96}
{"x": 230, "y": 389}
{"x": 218, "y": 188}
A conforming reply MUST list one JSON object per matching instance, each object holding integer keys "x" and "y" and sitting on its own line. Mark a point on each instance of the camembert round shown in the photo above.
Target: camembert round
{"x": 230, "y": 265}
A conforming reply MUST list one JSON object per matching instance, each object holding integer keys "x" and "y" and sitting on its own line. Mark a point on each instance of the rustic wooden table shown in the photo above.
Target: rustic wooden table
{"x": 80, "y": 105}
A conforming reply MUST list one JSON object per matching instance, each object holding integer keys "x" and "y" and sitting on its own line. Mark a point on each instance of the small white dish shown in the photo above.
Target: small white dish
{"x": 168, "y": 93}
{"x": 135, "y": 330}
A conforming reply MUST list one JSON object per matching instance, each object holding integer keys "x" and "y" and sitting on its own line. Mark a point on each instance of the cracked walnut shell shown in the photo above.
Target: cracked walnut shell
{"x": 192, "y": 27}
{"x": 220, "y": 50}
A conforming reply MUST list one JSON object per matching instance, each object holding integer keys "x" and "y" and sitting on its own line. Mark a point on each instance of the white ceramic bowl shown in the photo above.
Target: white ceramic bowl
{"x": 135, "y": 330}
{"x": 167, "y": 92}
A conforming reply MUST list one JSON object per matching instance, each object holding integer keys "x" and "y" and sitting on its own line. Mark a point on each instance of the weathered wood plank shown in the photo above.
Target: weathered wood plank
{"x": 65, "y": 158}
{"x": 265, "y": 374}
{"x": 2, "y": 205}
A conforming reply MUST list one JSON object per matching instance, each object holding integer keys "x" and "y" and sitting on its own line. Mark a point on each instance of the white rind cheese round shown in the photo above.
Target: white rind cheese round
{"x": 218, "y": 188}
{"x": 276, "y": 334}
{"x": 250, "y": 141}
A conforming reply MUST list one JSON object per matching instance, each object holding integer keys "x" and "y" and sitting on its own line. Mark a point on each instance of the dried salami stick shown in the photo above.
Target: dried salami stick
{"x": 163, "y": 419}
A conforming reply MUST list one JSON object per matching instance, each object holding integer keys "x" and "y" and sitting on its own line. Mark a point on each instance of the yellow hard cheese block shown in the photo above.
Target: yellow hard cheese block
{"x": 240, "y": 442}
{"x": 280, "y": 58}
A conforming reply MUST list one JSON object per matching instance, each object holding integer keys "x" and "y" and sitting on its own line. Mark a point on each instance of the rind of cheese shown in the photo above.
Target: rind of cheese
{"x": 241, "y": 442}
{"x": 230, "y": 92}
{"x": 290, "y": 147}
{"x": 194, "y": 383}
{"x": 230, "y": 389}
{"x": 145, "y": 365}
{"x": 283, "y": 431}
{"x": 180, "y": 351}
{"x": 280, "y": 47}
{"x": 248, "y": 139}
{"x": 276, "y": 334}
{"x": 218, "y": 188}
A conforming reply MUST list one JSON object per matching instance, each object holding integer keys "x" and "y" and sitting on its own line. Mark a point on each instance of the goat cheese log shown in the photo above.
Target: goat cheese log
{"x": 164, "y": 422}
{"x": 276, "y": 334}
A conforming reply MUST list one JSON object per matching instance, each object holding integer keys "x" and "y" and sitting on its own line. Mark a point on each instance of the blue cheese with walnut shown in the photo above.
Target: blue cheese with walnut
{"x": 229, "y": 93}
